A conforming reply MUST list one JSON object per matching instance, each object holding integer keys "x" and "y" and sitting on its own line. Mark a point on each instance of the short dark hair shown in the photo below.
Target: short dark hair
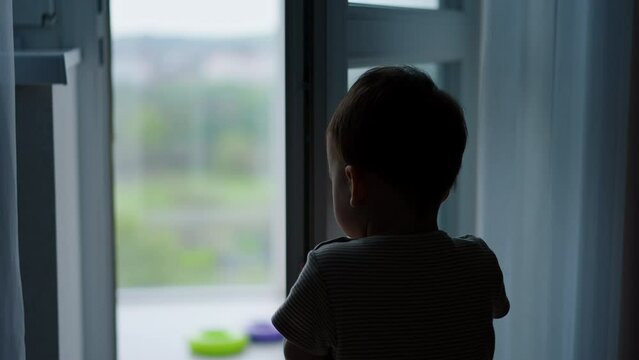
{"x": 395, "y": 122}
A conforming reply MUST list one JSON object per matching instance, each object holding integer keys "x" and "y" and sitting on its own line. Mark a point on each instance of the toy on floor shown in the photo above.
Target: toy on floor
{"x": 218, "y": 343}
{"x": 224, "y": 343}
{"x": 264, "y": 332}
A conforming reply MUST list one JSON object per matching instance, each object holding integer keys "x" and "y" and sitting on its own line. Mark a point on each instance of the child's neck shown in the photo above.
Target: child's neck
{"x": 401, "y": 223}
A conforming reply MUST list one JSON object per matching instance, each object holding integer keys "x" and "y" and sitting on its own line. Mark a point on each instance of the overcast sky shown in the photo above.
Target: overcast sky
{"x": 195, "y": 18}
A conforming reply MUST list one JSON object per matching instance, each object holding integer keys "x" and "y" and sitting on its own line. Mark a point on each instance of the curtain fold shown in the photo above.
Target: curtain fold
{"x": 11, "y": 308}
{"x": 551, "y": 170}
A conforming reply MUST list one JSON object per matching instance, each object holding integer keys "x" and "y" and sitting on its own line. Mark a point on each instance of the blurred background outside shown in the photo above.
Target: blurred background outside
{"x": 198, "y": 158}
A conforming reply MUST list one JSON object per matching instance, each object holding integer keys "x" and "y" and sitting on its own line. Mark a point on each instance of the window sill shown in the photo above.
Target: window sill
{"x": 160, "y": 329}
{"x": 44, "y": 67}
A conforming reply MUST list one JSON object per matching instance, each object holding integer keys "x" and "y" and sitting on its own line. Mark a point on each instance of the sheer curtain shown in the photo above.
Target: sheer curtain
{"x": 554, "y": 80}
{"x": 11, "y": 312}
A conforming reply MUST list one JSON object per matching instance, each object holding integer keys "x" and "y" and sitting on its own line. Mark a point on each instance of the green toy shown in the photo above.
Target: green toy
{"x": 218, "y": 343}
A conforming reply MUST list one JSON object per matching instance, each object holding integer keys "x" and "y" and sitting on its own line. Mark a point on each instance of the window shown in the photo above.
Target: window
{"x": 423, "y": 4}
{"x": 434, "y": 70}
{"x": 199, "y": 210}
{"x": 199, "y": 170}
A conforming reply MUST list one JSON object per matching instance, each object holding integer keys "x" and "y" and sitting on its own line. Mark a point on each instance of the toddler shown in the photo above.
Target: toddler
{"x": 397, "y": 287}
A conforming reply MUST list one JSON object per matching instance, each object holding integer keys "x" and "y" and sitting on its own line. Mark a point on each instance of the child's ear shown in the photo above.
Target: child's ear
{"x": 356, "y": 185}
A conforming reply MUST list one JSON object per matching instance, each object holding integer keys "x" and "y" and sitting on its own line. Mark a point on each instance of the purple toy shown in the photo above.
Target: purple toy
{"x": 264, "y": 332}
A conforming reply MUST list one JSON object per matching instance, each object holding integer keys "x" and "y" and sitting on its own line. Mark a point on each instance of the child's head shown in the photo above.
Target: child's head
{"x": 395, "y": 146}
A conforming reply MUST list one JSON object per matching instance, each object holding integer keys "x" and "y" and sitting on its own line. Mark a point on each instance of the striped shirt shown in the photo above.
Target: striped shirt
{"x": 396, "y": 297}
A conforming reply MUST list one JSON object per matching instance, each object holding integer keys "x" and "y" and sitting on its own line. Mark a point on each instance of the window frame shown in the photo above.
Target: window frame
{"x": 309, "y": 32}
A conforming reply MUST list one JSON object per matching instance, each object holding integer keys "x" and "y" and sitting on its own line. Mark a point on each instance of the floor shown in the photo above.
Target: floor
{"x": 160, "y": 330}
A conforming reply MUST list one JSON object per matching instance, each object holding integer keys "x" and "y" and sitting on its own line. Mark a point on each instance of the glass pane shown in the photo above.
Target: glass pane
{"x": 419, "y": 4}
{"x": 199, "y": 170}
{"x": 433, "y": 69}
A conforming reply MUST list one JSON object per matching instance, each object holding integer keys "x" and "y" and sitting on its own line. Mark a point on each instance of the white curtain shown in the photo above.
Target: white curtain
{"x": 554, "y": 80}
{"x": 11, "y": 311}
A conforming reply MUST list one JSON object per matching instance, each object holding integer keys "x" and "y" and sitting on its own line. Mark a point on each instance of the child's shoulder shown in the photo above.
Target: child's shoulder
{"x": 471, "y": 241}
{"x": 471, "y": 246}
{"x": 335, "y": 246}
{"x": 332, "y": 243}
{"x": 467, "y": 246}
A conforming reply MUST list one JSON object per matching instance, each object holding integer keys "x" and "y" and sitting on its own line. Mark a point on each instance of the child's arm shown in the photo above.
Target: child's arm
{"x": 294, "y": 352}
{"x": 501, "y": 305}
{"x": 305, "y": 319}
